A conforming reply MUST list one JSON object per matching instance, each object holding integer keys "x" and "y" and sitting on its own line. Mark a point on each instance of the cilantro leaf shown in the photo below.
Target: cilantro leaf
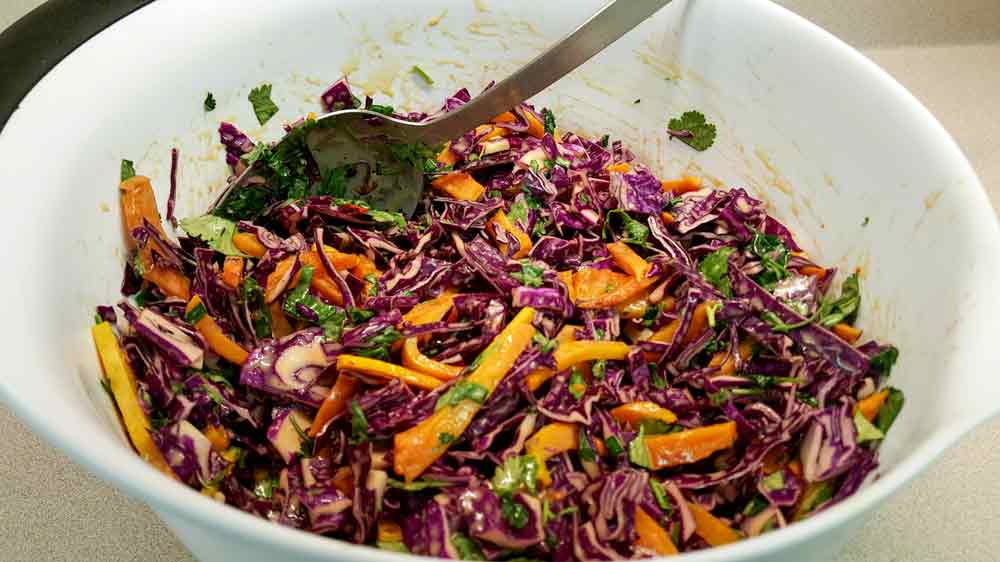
{"x": 549, "y": 120}
{"x": 693, "y": 130}
{"x": 334, "y": 182}
{"x": 383, "y": 109}
{"x": 263, "y": 106}
{"x": 128, "y": 170}
{"x": 420, "y": 72}
{"x": 545, "y": 345}
{"x": 715, "y": 269}
{"x": 466, "y": 547}
{"x": 633, "y": 231}
{"x": 209, "y": 102}
{"x": 885, "y": 360}
{"x": 779, "y": 325}
{"x": 390, "y": 217}
{"x": 638, "y": 453}
{"x": 215, "y": 231}
{"x": 419, "y": 484}
{"x": 515, "y": 514}
{"x": 845, "y": 308}
{"x": 773, "y": 258}
{"x": 244, "y": 203}
{"x": 614, "y": 446}
{"x": 530, "y": 274}
{"x": 260, "y": 315}
{"x": 377, "y": 346}
{"x": 330, "y": 317}
{"x": 359, "y": 424}
{"x": 265, "y": 487}
{"x": 463, "y": 390}
{"x": 516, "y": 473}
{"x": 306, "y": 443}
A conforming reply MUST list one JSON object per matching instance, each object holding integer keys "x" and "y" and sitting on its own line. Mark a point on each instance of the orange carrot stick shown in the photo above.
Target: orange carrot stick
{"x": 681, "y": 186}
{"x": 817, "y": 272}
{"x": 652, "y": 535}
{"x": 459, "y": 185}
{"x": 535, "y": 127}
{"x": 126, "y": 391}
{"x": 634, "y": 413}
{"x": 870, "y": 406}
{"x": 505, "y": 117}
{"x": 683, "y": 447}
{"x": 569, "y": 354}
{"x": 232, "y": 271}
{"x": 215, "y": 337}
{"x": 417, "y": 361}
{"x": 710, "y": 528}
{"x": 340, "y": 396}
{"x": 216, "y": 434}
{"x": 447, "y": 156}
{"x": 627, "y": 260}
{"x": 247, "y": 243}
{"x": 500, "y": 222}
{"x": 848, "y": 333}
{"x": 623, "y": 293}
{"x": 724, "y": 359}
{"x": 385, "y": 370}
{"x": 418, "y": 447}
{"x": 280, "y": 326}
{"x": 138, "y": 206}
{"x": 621, "y": 167}
{"x": 698, "y": 325}
{"x": 549, "y": 441}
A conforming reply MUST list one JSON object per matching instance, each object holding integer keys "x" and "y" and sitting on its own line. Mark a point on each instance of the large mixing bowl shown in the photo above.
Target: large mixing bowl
{"x": 842, "y": 153}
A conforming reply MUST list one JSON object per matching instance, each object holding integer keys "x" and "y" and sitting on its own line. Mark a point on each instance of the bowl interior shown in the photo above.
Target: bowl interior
{"x": 862, "y": 174}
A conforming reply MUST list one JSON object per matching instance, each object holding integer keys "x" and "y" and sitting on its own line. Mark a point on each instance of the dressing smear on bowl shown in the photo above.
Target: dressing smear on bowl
{"x": 560, "y": 356}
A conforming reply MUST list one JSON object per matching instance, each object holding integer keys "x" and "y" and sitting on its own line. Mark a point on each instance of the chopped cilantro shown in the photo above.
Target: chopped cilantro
{"x": 127, "y": 170}
{"x": 577, "y": 384}
{"x": 209, "y": 102}
{"x": 419, "y": 484}
{"x": 634, "y": 231}
{"x": 244, "y": 203}
{"x": 463, "y": 390}
{"x": 265, "y": 487}
{"x": 445, "y": 438}
{"x": 530, "y": 274}
{"x": 715, "y": 269}
{"x": 773, "y": 258}
{"x": 194, "y": 315}
{"x": 466, "y": 547}
{"x": 263, "y": 107}
{"x": 693, "y": 130}
{"x": 614, "y": 446}
{"x": 549, "y": 120}
{"x": 604, "y": 141}
{"x": 866, "y": 221}
{"x": 515, "y": 514}
{"x": 586, "y": 451}
{"x": 516, "y": 473}
{"x": 845, "y": 308}
{"x": 885, "y": 360}
{"x": 359, "y": 424}
{"x": 330, "y": 317}
{"x": 545, "y": 345}
{"x": 260, "y": 315}
{"x": 306, "y": 443}
{"x": 779, "y": 325}
{"x": 377, "y": 347}
{"x": 599, "y": 369}
{"x": 383, "y": 109}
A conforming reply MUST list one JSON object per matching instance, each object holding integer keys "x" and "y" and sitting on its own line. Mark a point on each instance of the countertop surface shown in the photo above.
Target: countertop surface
{"x": 946, "y": 53}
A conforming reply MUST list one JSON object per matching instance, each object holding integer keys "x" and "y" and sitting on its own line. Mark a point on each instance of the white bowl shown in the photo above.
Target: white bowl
{"x": 806, "y": 123}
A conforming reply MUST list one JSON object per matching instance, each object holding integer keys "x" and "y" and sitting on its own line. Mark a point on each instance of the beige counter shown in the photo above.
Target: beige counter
{"x": 946, "y": 53}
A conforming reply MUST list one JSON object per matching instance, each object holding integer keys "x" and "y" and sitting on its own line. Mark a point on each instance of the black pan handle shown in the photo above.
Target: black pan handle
{"x": 31, "y": 47}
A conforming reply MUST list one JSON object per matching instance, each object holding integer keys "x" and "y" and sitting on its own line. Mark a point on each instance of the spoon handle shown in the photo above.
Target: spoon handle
{"x": 603, "y": 28}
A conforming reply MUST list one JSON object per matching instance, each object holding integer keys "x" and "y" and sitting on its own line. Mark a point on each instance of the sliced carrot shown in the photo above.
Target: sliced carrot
{"x": 710, "y": 528}
{"x": 667, "y": 217}
{"x": 535, "y": 127}
{"x": 698, "y": 325}
{"x": 385, "y": 370}
{"x": 848, "y": 333}
{"x": 652, "y": 535}
{"x": 634, "y": 413}
{"x": 621, "y": 167}
{"x": 567, "y": 278}
{"x": 629, "y": 290}
{"x": 724, "y": 359}
{"x": 217, "y": 435}
{"x": 247, "y": 243}
{"x": 498, "y": 222}
{"x": 681, "y": 186}
{"x": 320, "y": 281}
{"x": 217, "y": 340}
{"x": 126, "y": 394}
{"x": 591, "y": 283}
{"x": 280, "y": 326}
{"x": 417, "y": 361}
{"x": 505, "y": 117}
{"x": 340, "y": 396}
{"x": 139, "y": 206}
{"x": 817, "y": 272}
{"x": 549, "y": 441}
{"x": 683, "y": 447}
{"x": 459, "y": 185}
{"x": 432, "y": 310}
{"x": 627, "y": 260}
{"x": 232, "y": 271}
{"x": 870, "y": 406}
{"x": 567, "y": 333}
{"x": 418, "y": 447}
{"x": 572, "y": 353}
{"x": 447, "y": 156}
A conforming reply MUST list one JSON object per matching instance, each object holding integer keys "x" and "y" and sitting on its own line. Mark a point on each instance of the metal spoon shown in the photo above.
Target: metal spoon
{"x": 363, "y": 139}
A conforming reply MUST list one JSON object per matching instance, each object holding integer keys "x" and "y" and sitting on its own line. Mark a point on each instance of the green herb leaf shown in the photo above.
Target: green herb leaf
{"x": 577, "y": 385}
{"x": 416, "y": 154}
{"x": 195, "y": 314}
{"x": 614, "y": 446}
{"x": 531, "y": 275}
{"x": 516, "y": 473}
{"x": 889, "y": 410}
{"x": 388, "y": 217}
{"x": 633, "y": 231}
{"x": 660, "y": 493}
{"x": 779, "y": 325}
{"x": 209, "y": 102}
{"x": 445, "y": 438}
{"x": 306, "y": 443}
{"x": 423, "y": 75}
{"x": 599, "y": 369}
{"x": 263, "y": 106}
{"x": 655, "y": 377}
{"x": 334, "y": 182}
{"x": 693, "y": 130}
{"x": 775, "y": 480}
{"x": 866, "y": 431}
{"x": 773, "y": 258}
{"x": 638, "y": 453}
{"x": 359, "y": 424}
{"x": 260, "y": 315}
{"x": 866, "y": 221}
{"x": 244, "y": 203}
{"x": 377, "y": 347}
{"x": 330, "y": 317}
{"x": 127, "y": 170}
{"x": 715, "y": 269}
{"x": 549, "y": 121}
{"x": 845, "y": 308}
{"x": 545, "y": 345}
{"x": 372, "y": 281}
{"x": 586, "y": 451}
{"x": 463, "y": 390}
{"x": 604, "y": 141}
{"x": 359, "y": 315}
{"x": 265, "y": 487}
{"x": 515, "y": 514}
{"x": 658, "y": 427}
{"x": 756, "y": 505}
{"x": 419, "y": 484}
{"x": 215, "y": 231}
{"x": 816, "y": 495}
{"x": 885, "y": 360}
{"x": 466, "y": 547}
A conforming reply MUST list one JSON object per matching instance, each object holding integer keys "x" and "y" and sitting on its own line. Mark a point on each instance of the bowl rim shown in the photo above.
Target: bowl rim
{"x": 142, "y": 481}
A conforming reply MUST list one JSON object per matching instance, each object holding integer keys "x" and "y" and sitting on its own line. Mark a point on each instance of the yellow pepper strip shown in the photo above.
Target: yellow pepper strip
{"x": 681, "y": 186}
{"x": 500, "y": 221}
{"x": 505, "y": 117}
{"x": 459, "y": 185}
{"x": 414, "y": 359}
{"x": 125, "y": 391}
{"x": 247, "y": 243}
{"x": 216, "y": 338}
{"x": 698, "y": 325}
{"x": 432, "y": 310}
{"x": 652, "y": 535}
{"x": 336, "y": 402}
{"x": 621, "y": 167}
{"x": 549, "y": 441}
{"x": 376, "y": 368}
{"x": 535, "y": 127}
{"x": 634, "y": 413}
{"x": 724, "y": 360}
{"x": 870, "y": 406}
{"x": 620, "y": 294}
{"x": 490, "y": 132}
{"x": 447, "y": 156}
{"x": 216, "y": 434}
{"x": 567, "y": 278}
{"x": 710, "y": 528}
{"x": 683, "y": 447}
{"x": 627, "y": 260}
{"x": 418, "y": 447}
{"x": 389, "y": 531}
{"x": 569, "y": 354}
